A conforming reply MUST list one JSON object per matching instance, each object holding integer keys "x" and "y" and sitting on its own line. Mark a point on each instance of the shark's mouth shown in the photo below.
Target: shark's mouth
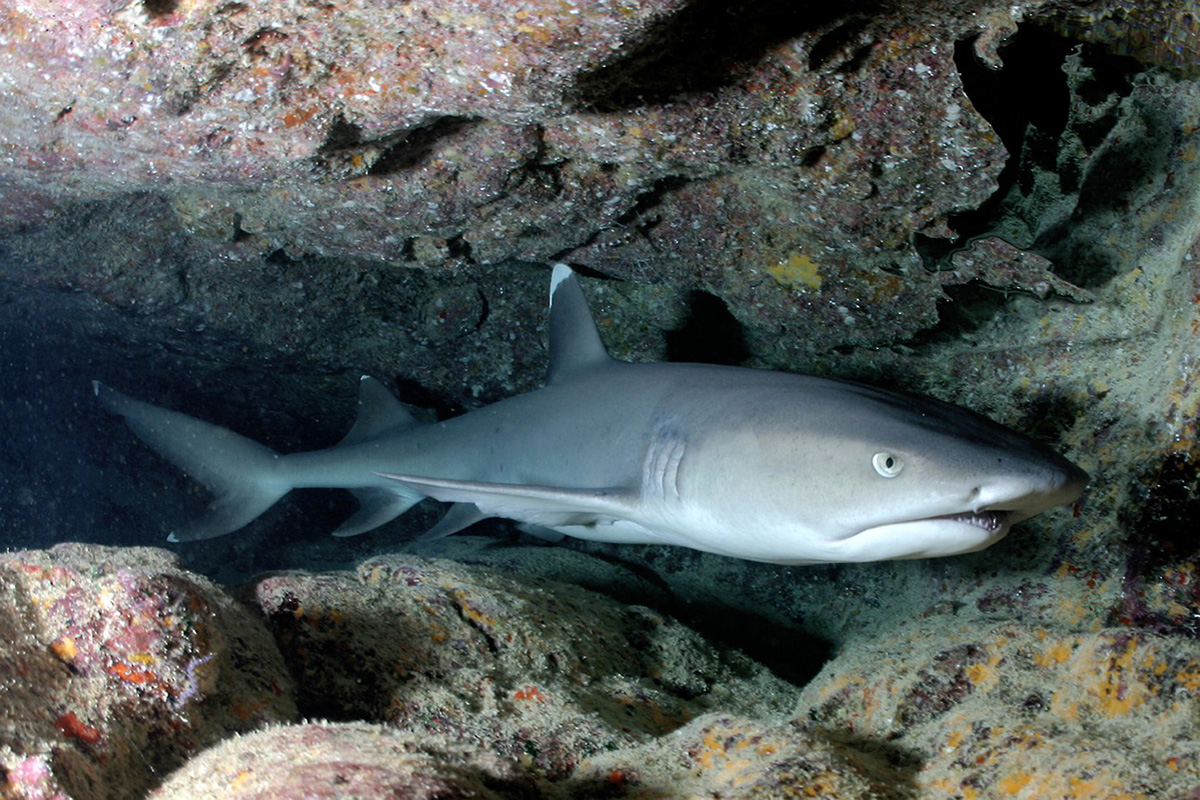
{"x": 990, "y": 521}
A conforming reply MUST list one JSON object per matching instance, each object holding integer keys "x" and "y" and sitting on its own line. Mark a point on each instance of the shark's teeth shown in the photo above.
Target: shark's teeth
{"x": 990, "y": 521}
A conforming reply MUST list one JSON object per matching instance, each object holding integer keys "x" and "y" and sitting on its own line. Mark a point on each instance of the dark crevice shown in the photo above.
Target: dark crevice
{"x": 256, "y": 43}
{"x": 415, "y": 393}
{"x": 539, "y": 179}
{"x": 710, "y": 334}
{"x": 415, "y": 147}
{"x": 841, "y": 49}
{"x": 1029, "y": 104}
{"x": 1030, "y": 94}
{"x": 458, "y": 247}
{"x": 711, "y": 44}
{"x": 240, "y": 234}
{"x": 1047, "y": 415}
{"x": 1031, "y": 89}
{"x": 279, "y": 257}
{"x": 812, "y": 156}
{"x": 964, "y": 310}
{"x": 1162, "y": 542}
{"x": 345, "y": 149}
{"x": 342, "y": 135}
{"x": 641, "y": 217}
{"x": 159, "y": 8}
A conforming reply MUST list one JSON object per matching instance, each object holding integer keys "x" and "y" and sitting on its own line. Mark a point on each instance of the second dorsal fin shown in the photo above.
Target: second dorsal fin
{"x": 379, "y": 413}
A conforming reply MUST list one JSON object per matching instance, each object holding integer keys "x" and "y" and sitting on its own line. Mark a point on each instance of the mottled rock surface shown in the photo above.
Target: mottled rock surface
{"x": 784, "y": 159}
{"x": 1014, "y": 710}
{"x": 450, "y": 678}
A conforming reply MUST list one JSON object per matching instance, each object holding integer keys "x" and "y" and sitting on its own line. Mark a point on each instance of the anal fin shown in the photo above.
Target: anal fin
{"x": 460, "y": 516}
{"x": 376, "y": 507}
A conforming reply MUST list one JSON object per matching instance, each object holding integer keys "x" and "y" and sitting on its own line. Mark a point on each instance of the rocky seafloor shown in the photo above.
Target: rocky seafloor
{"x": 236, "y": 209}
{"x": 418, "y": 677}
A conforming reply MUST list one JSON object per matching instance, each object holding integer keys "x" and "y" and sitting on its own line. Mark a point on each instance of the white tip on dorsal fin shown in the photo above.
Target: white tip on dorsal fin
{"x": 574, "y": 341}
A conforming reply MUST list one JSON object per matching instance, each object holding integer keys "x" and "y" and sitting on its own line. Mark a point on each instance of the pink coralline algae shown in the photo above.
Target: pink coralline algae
{"x": 127, "y": 664}
{"x": 405, "y": 111}
{"x": 785, "y": 159}
{"x": 1000, "y": 265}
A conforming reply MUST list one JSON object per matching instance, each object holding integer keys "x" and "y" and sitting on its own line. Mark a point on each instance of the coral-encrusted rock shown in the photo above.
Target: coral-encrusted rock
{"x": 125, "y": 665}
{"x": 1004, "y": 709}
{"x": 331, "y": 761}
{"x": 543, "y": 673}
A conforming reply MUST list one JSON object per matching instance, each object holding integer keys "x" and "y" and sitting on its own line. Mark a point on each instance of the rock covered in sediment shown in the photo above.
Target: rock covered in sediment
{"x": 543, "y": 673}
{"x": 344, "y": 761}
{"x": 721, "y": 755}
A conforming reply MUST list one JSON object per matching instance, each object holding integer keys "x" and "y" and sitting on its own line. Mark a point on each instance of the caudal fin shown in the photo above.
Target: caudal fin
{"x": 243, "y": 475}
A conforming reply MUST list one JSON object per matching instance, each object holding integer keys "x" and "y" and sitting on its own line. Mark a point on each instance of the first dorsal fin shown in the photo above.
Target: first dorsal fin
{"x": 378, "y": 413}
{"x": 575, "y": 342}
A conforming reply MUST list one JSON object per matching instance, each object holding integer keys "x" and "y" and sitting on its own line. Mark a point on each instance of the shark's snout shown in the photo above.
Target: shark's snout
{"x": 1025, "y": 495}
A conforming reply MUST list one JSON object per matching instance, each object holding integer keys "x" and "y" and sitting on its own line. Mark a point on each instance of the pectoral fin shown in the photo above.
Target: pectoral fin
{"x": 539, "y": 505}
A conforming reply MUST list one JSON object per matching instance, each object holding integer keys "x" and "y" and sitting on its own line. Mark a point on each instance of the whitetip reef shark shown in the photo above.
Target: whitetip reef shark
{"x": 760, "y": 465}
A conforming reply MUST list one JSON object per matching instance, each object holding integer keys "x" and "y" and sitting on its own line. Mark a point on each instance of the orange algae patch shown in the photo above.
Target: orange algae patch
{"x": 70, "y": 725}
{"x": 717, "y": 752}
{"x": 954, "y": 740}
{"x": 1119, "y": 690}
{"x": 65, "y": 649}
{"x": 1014, "y": 783}
{"x": 1056, "y": 653}
{"x": 734, "y": 750}
{"x": 529, "y": 693}
{"x": 1189, "y": 677}
{"x": 133, "y": 674}
{"x": 1115, "y": 673}
{"x": 797, "y": 272}
{"x": 986, "y": 672}
{"x": 438, "y": 633}
{"x": 1069, "y": 787}
{"x": 475, "y": 615}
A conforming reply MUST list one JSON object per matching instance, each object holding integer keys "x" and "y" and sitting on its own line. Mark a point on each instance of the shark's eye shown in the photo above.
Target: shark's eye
{"x": 887, "y": 464}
